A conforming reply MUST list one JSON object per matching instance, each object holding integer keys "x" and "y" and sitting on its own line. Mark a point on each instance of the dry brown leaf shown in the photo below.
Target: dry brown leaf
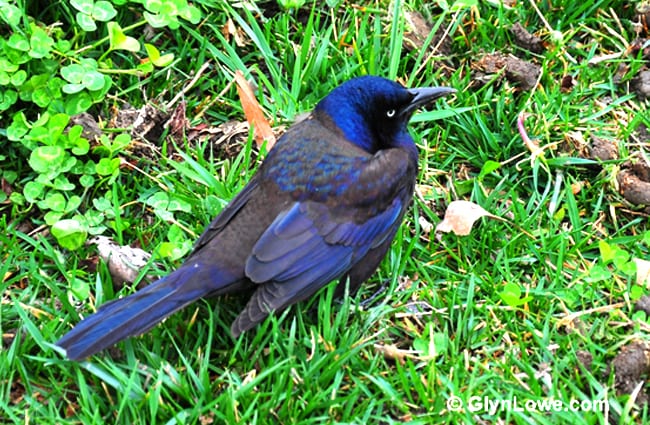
{"x": 254, "y": 115}
{"x": 576, "y": 187}
{"x": 229, "y": 30}
{"x": 460, "y": 217}
{"x": 642, "y": 271}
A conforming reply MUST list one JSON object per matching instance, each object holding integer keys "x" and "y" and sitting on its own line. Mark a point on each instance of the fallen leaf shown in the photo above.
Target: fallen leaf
{"x": 124, "y": 262}
{"x": 577, "y": 187}
{"x": 229, "y": 30}
{"x": 254, "y": 115}
{"x": 642, "y": 271}
{"x": 426, "y": 225}
{"x": 460, "y": 217}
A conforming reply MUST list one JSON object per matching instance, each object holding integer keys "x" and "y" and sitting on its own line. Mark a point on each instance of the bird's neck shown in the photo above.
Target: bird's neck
{"x": 403, "y": 140}
{"x": 349, "y": 125}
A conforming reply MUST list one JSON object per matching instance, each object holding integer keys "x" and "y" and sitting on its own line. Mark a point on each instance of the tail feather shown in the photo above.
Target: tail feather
{"x": 133, "y": 315}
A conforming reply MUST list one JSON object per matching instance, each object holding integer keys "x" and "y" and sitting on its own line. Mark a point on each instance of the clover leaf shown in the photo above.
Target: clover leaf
{"x": 91, "y": 11}
{"x": 120, "y": 41}
{"x": 71, "y": 234}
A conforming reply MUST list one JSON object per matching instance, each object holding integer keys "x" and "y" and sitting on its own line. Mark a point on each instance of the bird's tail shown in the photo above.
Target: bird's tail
{"x": 137, "y": 313}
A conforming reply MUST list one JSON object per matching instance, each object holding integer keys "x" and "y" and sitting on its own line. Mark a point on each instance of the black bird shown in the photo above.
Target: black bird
{"x": 324, "y": 206}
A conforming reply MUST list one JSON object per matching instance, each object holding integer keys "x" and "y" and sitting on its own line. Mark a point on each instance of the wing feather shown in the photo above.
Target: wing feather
{"x": 315, "y": 241}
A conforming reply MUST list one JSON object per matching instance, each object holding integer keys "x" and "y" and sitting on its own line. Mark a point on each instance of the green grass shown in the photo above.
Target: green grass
{"x": 442, "y": 327}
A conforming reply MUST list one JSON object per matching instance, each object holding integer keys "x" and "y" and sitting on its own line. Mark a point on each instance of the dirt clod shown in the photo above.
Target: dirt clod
{"x": 91, "y": 129}
{"x": 634, "y": 181}
{"x": 630, "y": 367}
{"x": 643, "y": 304}
{"x": 418, "y": 31}
{"x": 517, "y": 71}
{"x": 567, "y": 83}
{"x": 641, "y": 84}
{"x": 526, "y": 40}
{"x": 639, "y": 45}
{"x": 585, "y": 358}
{"x": 633, "y": 188}
{"x": 642, "y": 133}
{"x": 602, "y": 149}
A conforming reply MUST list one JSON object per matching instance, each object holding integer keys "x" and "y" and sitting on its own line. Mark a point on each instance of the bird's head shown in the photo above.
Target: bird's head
{"x": 372, "y": 112}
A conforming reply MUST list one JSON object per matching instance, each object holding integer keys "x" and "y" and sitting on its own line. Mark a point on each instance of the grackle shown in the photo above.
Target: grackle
{"x": 324, "y": 206}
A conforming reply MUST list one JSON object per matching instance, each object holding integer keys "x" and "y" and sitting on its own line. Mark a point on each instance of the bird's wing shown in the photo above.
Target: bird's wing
{"x": 312, "y": 243}
{"x": 226, "y": 215}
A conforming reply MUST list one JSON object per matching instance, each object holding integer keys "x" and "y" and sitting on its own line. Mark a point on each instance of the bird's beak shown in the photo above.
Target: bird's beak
{"x": 424, "y": 95}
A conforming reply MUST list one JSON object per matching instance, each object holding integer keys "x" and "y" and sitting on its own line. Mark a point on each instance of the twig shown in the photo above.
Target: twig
{"x": 188, "y": 86}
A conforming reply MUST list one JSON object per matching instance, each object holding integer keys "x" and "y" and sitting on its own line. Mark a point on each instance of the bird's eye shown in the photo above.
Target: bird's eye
{"x": 390, "y": 113}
